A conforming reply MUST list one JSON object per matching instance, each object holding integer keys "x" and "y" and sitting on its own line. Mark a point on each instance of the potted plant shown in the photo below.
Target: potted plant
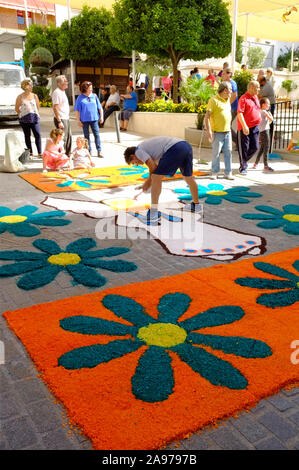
{"x": 197, "y": 92}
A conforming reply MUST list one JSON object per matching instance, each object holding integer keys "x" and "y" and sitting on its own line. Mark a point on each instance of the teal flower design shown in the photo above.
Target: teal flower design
{"x": 39, "y": 269}
{"x": 133, "y": 170}
{"x": 153, "y": 380}
{"x": 288, "y": 218}
{"x": 21, "y": 221}
{"x": 288, "y": 288}
{"x": 215, "y": 194}
{"x": 83, "y": 183}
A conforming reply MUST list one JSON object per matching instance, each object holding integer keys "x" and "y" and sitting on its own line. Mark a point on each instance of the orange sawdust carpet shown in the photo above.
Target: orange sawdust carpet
{"x": 142, "y": 365}
{"x": 94, "y": 178}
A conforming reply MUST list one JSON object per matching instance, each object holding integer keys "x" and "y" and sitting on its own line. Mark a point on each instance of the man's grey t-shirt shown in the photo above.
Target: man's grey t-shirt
{"x": 268, "y": 92}
{"x": 155, "y": 147}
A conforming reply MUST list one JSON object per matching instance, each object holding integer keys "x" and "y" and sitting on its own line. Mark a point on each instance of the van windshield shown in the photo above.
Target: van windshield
{"x": 10, "y": 78}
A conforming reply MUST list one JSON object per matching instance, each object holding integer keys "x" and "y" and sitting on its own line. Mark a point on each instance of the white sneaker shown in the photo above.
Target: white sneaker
{"x": 214, "y": 176}
{"x": 192, "y": 207}
{"x": 229, "y": 176}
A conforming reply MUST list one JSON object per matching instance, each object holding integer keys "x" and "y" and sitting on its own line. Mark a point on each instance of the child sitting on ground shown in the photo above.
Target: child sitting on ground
{"x": 267, "y": 118}
{"x": 81, "y": 156}
{"x": 54, "y": 157}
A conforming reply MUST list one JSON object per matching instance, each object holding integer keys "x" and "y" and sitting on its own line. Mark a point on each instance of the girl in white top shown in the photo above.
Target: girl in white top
{"x": 80, "y": 156}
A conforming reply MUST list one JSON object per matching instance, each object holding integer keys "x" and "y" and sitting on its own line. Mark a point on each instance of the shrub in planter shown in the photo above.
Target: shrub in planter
{"x": 197, "y": 92}
{"x": 242, "y": 78}
{"x": 289, "y": 85}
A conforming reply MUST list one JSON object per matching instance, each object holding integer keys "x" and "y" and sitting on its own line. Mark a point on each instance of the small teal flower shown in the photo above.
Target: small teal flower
{"x": 153, "y": 380}
{"x": 133, "y": 170}
{"x": 215, "y": 193}
{"x": 288, "y": 288}
{"x": 40, "y": 269}
{"x": 81, "y": 180}
{"x": 288, "y": 218}
{"x": 21, "y": 221}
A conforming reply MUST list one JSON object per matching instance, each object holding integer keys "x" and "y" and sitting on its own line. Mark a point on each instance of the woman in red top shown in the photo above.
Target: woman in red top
{"x": 211, "y": 77}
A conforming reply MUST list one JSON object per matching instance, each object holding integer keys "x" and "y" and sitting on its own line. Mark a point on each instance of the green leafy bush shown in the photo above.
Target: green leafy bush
{"x": 42, "y": 92}
{"x": 197, "y": 92}
{"x": 242, "y": 78}
{"x": 161, "y": 106}
{"x": 289, "y": 85}
{"x": 256, "y": 57}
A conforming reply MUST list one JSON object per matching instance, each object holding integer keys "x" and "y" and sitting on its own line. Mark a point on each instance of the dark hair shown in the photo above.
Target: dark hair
{"x": 84, "y": 86}
{"x": 264, "y": 100}
{"x": 263, "y": 80}
{"x": 195, "y": 69}
{"x": 127, "y": 154}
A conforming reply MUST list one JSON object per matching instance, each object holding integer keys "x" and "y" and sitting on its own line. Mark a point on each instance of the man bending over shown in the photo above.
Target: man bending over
{"x": 164, "y": 156}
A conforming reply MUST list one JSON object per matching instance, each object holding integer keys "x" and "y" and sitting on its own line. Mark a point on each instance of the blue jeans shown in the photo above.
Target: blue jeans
{"x": 96, "y": 132}
{"x": 222, "y": 141}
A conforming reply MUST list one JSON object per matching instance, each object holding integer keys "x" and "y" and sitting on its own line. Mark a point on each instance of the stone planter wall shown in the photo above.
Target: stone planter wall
{"x": 155, "y": 124}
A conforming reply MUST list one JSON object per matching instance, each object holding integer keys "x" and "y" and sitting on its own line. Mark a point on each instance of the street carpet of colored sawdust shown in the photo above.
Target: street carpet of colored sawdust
{"x": 86, "y": 180}
{"x": 146, "y": 364}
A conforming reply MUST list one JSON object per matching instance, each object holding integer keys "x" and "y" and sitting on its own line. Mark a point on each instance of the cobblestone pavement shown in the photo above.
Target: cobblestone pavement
{"x": 30, "y": 416}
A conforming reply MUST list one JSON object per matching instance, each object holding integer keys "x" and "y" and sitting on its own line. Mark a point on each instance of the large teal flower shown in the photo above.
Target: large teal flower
{"x": 153, "y": 380}
{"x": 288, "y": 288}
{"x": 40, "y": 269}
{"x": 215, "y": 193}
{"x": 133, "y": 170}
{"x": 288, "y": 218}
{"x": 21, "y": 221}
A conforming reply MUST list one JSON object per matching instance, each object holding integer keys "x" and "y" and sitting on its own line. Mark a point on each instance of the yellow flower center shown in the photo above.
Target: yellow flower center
{"x": 65, "y": 258}
{"x": 12, "y": 219}
{"x": 298, "y": 285}
{"x": 291, "y": 217}
{"x": 217, "y": 193}
{"x": 165, "y": 335}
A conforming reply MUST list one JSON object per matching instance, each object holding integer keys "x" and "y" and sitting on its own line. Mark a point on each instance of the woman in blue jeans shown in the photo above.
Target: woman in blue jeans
{"x": 88, "y": 112}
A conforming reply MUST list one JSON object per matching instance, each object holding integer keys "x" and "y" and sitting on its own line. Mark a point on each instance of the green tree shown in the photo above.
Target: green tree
{"x": 41, "y": 36}
{"x": 179, "y": 29}
{"x": 41, "y": 60}
{"x": 87, "y": 37}
{"x": 284, "y": 59}
{"x": 256, "y": 57}
{"x": 239, "y": 48}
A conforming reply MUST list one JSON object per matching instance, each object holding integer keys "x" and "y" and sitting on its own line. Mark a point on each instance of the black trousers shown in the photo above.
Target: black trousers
{"x": 264, "y": 147}
{"x": 35, "y": 128}
{"x": 67, "y": 139}
{"x": 109, "y": 111}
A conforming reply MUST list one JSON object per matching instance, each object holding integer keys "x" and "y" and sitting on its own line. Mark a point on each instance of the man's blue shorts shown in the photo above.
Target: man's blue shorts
{"x": 178, "y": 156}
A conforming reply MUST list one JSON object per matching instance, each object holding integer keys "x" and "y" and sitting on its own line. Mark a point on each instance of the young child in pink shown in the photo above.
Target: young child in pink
{"x": 80, "y": 156}
{"x": 54, "y": 157}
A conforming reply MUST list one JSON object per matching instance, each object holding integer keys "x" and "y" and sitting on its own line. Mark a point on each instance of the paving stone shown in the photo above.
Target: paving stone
{"x": 200, "y": 442}
{"x": 229, "y": 440}
{"x": 249, "y": 428}
{"x": 9, "y": 406}
{"x": 270, "y": 444}
{"x": 59, "y": 440}
{"x": 31, "y": 390}
{"x": 281, "y": 403}
{"x": 291, "y": 393}
{"x": 19, "y": 433}
{"x": 44, "y": 416}
{"x": 295, "y": 418}
{"x": 283, "y": 429}
{"x": 17, "y": 370}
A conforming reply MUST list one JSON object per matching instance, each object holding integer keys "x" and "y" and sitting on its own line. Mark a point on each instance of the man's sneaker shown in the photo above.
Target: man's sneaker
{"x": 100, "y": 155}
{"x": 243, "y": 172}
{"x": 254, "y": 165}
{"x": 229, "y": 176}
{"x": 268, "y": 168}
{"x": 192, "y": 207}
{"x": 213, "y": 176}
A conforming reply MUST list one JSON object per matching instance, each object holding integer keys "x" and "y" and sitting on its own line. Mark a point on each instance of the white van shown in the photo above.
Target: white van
{"x": 11, "y": 77}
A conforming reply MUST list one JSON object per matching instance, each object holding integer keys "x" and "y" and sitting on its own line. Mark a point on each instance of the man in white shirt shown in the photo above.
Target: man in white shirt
{"x": 112, "y": 103}
{"x": 61, "y": 109}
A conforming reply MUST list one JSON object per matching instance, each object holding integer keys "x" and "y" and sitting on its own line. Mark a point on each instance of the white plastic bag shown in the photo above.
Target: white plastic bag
{"x": 14, "y": 147}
